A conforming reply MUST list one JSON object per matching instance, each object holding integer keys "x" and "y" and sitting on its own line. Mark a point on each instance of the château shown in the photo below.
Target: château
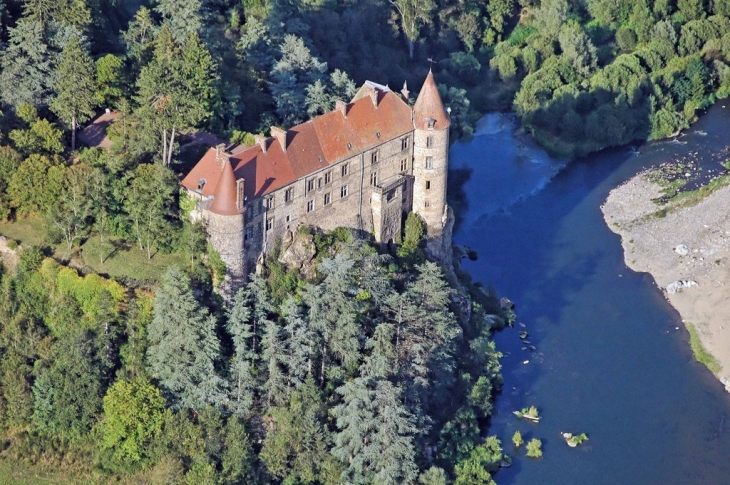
{"x": 363, "y": 166}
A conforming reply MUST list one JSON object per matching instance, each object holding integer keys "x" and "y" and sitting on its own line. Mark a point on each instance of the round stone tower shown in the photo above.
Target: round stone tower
{"x": 225, "y": 225}
{"x": 430, "y": 157}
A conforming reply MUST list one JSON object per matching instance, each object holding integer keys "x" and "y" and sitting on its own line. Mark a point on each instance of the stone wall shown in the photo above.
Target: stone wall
{"x": 225, "y": 234}
{"x": 430, "y": 170}
{"x": 353, "y": 210}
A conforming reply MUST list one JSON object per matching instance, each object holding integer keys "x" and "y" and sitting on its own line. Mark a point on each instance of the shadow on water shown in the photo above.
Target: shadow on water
{"x": 611, "y": 356}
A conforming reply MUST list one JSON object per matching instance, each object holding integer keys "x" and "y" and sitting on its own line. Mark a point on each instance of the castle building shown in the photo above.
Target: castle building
{"x": 364, "y": 166}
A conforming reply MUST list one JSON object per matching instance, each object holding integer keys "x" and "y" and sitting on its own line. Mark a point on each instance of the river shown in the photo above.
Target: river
{"x": 612, "y": 357}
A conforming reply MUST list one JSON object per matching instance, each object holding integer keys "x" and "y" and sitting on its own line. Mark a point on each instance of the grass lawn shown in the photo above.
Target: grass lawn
{"x": 12, "y": 473}
{"x": 123, "y": 260}
{"x": 126, "y": 260}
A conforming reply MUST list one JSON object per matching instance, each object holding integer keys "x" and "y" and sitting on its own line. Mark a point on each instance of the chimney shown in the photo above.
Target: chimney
{"x": 240, "y": 197}
{"x": 260, "y": 141}
{"x": 220, "y": 153}
{"x": 342, "y": 106}
{"x": 280, "y": 135}
{"x": 373, "y": 93}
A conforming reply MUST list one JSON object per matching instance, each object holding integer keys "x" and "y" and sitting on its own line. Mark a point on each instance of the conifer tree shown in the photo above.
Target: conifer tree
{"x": 300, "y": 344}
{"x": 241, "y": 381}
{"x": 27, "y": 66}
{"x": 75, "y": 87}
{"x": 183, "y": 346}
{"x": 375, "y": 433}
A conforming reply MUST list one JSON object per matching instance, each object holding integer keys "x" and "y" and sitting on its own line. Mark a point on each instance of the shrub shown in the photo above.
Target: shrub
{"x": 534, "y": 448}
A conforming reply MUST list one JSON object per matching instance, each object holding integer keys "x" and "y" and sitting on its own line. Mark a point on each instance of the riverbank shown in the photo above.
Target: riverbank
{"x": 679, "y": 242}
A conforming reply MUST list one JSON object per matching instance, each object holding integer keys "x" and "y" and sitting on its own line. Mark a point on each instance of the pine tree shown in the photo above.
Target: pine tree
{"x": 183, "y": 17}
{"x": 183, "y": 346}
{"x": 27, "y": 66}
{"x": 333, "y": 313}
{"x": 300, "y": 342}
{"x": 75, "y": 87}
{"x": 273, "y": 356}
{"x": 375, "y": 433}
{"x": 241, "y": 382}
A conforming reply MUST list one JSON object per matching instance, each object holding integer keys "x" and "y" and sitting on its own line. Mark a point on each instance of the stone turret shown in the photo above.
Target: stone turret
{"x": 430, "y": 158}
{"x": 225, "y": 225}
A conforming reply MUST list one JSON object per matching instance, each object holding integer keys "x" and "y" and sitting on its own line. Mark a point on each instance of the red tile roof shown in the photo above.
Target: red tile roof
{"x": 225, "y": 201}
{"x": 429, "y": 106}
{"x": 311, "y": 146}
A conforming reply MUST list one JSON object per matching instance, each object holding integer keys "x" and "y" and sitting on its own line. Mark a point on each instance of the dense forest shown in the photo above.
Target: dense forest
{"x": 371, "y": 370}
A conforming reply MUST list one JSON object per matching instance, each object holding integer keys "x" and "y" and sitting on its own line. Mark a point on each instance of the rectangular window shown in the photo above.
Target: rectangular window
{"x": 343, "y": 191}
{"x": 289, "y": 194}
{"x": 404, "y": 165}
{"x": 269, "y": 203}
{"x": 374, "y": 178}
{"x": 427, "y": 203}
{"x": 374, "y": 157}
{"x": 429, "y": 141}
{"x": 248, "y": 234}
{"x": 328, "y": 178}
{"x": 327, "y": 198}
{"x": 429, "y": 162}
{"x": 344, "y": 169}
{"x": 310, "y": 205}
{"x": 269, "y": 223}
{"x": 404, "y": 143}
{"x": 319, "y": 183}
{"x": 310, "y": 185}
{"x": 428, "y": 185}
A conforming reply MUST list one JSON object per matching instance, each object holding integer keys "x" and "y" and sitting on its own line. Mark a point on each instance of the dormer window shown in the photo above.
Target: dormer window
{"x": 201, "y": 184}
{"x": 430, "y": 122}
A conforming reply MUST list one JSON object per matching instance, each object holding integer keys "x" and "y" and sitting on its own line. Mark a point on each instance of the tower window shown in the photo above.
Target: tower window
{"x": 427, "y": 203}
{"x": 374, "y": 178}
{"x": 269, "y": 223}
{"x": 429, "y": 141}
{"x": 327, "y": 198}
{"x": 429, "y": 162}
{"x": 343, "y": 191}
{"x": 248, "y": 234}
{"x": 430, "y": 122}
{"x": 404, "y": 165}
{"x": 310, "y": 205}
{"x": 269, "y": 203}
{"x": 344, "y": 169}
{"x": 374, "y": 157}
{"x": 428, "y": 185}
{"x": 289, "y": 194}
{"x": 404, "y": 143}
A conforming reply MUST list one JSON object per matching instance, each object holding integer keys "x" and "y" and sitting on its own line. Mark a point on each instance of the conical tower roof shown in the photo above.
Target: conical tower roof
{"x": 430, "y": 107}
{"x": 224, "y": 200}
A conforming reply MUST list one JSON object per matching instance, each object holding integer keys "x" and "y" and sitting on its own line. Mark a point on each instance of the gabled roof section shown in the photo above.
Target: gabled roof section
{"x": 377, "y": 116}
{"x": 429, "y": 109}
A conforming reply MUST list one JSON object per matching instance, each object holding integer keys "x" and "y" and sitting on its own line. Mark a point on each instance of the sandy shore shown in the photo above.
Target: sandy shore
{"x": 689, "y": 244}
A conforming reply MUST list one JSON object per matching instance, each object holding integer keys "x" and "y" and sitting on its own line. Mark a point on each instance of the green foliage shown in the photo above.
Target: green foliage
{"x": 75, "y": 87}
{"x": 701, "y": 354}
{"x": 216, "y": 264}
{"x": 517, "y": 439}
{"x": 534, "y": 448}
{"x": 183, "y": 346}
{"x": 410, "y": 250}
{"x": 133, "y": 415}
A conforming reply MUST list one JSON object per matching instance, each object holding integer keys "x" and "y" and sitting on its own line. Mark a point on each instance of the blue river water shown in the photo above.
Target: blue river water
{"x": 612, "y": 357}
